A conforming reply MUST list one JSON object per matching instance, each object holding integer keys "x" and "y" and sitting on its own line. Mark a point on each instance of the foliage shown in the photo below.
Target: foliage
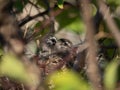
{"x": 12, "y": 67}
{"x": 68, "y": 80}
{"x": 68, "y": 16}
{"x": 110, "y": 77}
{"x": 60, "y": 3}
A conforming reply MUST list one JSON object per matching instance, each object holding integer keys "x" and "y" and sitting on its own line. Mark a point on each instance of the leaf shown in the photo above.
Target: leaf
{"x": 67, "y": 16}
{"x": 60, "y": 3}
{"x": 110, "y": 76}
{"x": 77, "y": 26}
{"x": 12, "y": 67}
{"x": 1, "y": 52}
{"x": 113, "y": 2}
{"x": 67, "y": 80}
{"x": 94, "y": 9}
{"x": 19, "y": 5}
{"x": 108, "y": 42}
{"x": 117, "y": 22}
{"x": 42, "y": 3}
{"x": 70, "y": 19}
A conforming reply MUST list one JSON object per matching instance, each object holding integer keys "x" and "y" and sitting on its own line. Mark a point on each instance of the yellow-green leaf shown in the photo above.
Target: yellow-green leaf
{"x": 110, "y": 76}
{"x": 67, "y": 80}
{"x": 12, "y": 67}
{"x": 60, "y": 3}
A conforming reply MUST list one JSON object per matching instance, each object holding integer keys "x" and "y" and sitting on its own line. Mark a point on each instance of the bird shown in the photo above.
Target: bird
{"x": 47, "y": 46}
{"x": 54, "y": 51}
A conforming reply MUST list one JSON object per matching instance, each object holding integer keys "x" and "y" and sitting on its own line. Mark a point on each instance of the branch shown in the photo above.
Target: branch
{"x": 33, "y": 4}
{"x": 91, "y": 62}
{"x": 29, "y": 18}
{"x": 109, "y": 21}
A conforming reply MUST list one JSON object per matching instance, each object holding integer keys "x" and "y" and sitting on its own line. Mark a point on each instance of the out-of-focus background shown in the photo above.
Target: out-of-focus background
{"x": 59, "y": 44}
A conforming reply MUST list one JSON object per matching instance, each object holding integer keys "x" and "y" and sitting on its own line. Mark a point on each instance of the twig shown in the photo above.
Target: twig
{"x": 33, "y": 4}
{"x": 29, "y": 18}
{"x": 47, "y": 22}
{"x": 92, "y": 67}
{"x": 109, "y": 21}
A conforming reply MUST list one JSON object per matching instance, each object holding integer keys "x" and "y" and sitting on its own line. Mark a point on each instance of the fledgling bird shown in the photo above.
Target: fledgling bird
{"x": 47, "y": 46}
{"x": 53, "y": 46}
{"x": 54, "y": 53}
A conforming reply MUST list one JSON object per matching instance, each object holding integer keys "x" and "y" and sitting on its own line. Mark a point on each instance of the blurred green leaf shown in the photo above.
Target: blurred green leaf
{"x": 42, "y": 3}
{"x": 109, "y": 53}
{"x": 77, "y": 26}
{"x": 1, "y": 52}
{"x": 94, "y": 9}
{"x": 67, "y": 16}
{"x": 68, "y": 80}
{"x": 70, "y": 19}
{"x": 110, "y": 76}
{"x": 117, "y": 21}
{"x": 12, "y": 67}
{"x": 113, "y": 2}
{"x": 108, "y": 42}
{"x": 19, "y": 5}
{"x": 60, "y": 3}
{"x": 94, "y": 2}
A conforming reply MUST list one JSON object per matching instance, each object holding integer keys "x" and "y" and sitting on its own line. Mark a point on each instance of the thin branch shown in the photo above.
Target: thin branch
{"x": 29, "y": 18}
{"x": 47, "y": 22}
{"x": 92, "y": 67}
{"x": 109, "y": 21}
{"x": 33, "y": 4}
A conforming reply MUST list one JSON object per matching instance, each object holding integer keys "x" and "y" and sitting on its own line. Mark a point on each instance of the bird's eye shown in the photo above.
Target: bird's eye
{"x": 65, "y": 42}
{"x": 51, "y": 41}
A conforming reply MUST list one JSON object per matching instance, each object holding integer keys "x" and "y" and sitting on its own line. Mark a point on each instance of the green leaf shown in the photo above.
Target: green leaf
{"x": 12, "y": 67}
{"x": 110, "y": 76}
{"x": 42, "y": 3}
{"x": 117, "y": 22}
{"x": 94, "y": 9}
{"x": 69, "y": 19}
{"x": 60, "y": 3}
{"x": 67, "y": 16}
{"x": 68, "y": 80}
{"x": 1, "y": 52}
{"x": 113, "y": 2}
{"x": 108, "y": 42}
{"x": 77, "y": 26}
{"x": 19, "y": 5}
